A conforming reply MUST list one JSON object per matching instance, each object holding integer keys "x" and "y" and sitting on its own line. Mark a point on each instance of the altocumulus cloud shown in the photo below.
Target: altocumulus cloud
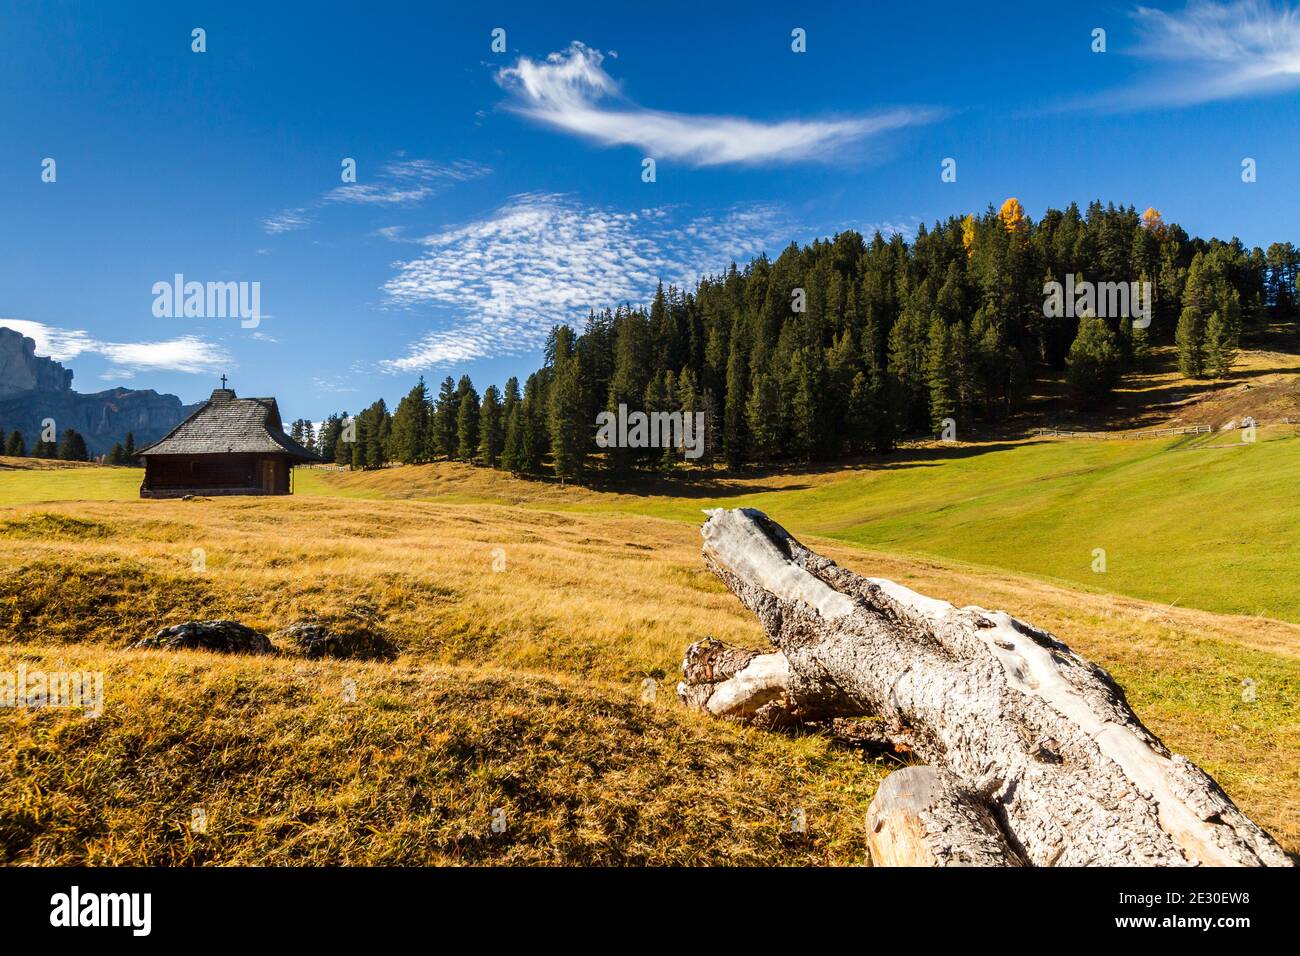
{"x": 544, "y": 259}
{"x": 1220, "y": 50}
{"x": 402, "y": 182}
{"x": 572, "y": 91}
{"x": 187, "y": 353}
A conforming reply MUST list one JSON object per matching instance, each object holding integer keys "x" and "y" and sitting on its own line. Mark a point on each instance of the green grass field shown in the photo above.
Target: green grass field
{"x": 25, "y": 482}
{"x": 1206, "y": 521}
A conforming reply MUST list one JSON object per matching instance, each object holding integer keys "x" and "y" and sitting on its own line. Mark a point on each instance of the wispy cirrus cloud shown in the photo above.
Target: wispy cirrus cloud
{"x": 1218, "y": 50}
{"x": 186, "y": 353}
{"x": 571, "y": 91}
{"x": 402, "y": 182}
{"x": 541, "y": 259}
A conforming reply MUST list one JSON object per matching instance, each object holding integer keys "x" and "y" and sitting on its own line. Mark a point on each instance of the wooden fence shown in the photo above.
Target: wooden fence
{"x": 1149, "y": 433}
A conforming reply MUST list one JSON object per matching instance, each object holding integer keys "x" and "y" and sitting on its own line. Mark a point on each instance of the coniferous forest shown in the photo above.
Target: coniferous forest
{"x": 846, "y": 346}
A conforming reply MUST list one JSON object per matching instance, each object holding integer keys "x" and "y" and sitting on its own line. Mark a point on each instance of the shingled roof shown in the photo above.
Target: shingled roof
{"x": 225, "y": 424}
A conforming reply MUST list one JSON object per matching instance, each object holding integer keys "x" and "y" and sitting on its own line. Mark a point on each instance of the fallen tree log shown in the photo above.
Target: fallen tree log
{"x": 1007, "y": 715}
{"x": 924, "y": 816}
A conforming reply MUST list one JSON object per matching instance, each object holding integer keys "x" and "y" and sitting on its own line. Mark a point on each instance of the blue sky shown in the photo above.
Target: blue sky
{"x": 500, "y": 192}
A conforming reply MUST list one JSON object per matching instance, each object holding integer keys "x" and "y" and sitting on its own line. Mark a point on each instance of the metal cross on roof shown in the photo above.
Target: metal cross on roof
{"x": 223, "y": 381}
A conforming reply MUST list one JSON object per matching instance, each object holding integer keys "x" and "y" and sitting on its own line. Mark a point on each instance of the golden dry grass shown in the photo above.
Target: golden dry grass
{"x": 286, "y": 772}
{"x": 587, "y": 607}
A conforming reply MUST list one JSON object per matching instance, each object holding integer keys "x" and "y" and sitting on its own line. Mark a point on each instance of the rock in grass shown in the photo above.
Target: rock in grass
{"x": 316, "y": 638}
{"x": 226, "y": 637}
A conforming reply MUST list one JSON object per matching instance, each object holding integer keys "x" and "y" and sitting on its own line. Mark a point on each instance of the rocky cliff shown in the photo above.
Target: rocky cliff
{"x": 33, "y": 388}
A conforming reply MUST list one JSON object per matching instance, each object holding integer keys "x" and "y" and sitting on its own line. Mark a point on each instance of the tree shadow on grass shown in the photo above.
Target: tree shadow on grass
{"x": 700, "y": 484}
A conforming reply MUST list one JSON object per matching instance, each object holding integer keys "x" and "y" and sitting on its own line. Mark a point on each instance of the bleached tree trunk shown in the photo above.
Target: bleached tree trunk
{"x": 924, "y": 816}
{"x": 1008, "y": 717}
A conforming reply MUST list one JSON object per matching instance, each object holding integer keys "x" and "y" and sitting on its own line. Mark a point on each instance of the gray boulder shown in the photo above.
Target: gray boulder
{"x": 226, "y": 637}
{"x": 341, "y": 639}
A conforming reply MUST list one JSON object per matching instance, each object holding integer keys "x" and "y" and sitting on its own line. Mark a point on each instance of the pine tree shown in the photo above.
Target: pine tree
{"x": 510, "y": 399}
{"x": 735, "y": 435}
{"x": 16, "y": 447}
{"x": 533, "y": 437}
{"x": 329, "y": 436}
{"x": 940, "y": 374}
{"x": 763, "y": 417}
{"x": 708, "y": 407}
{"x": 380, "y": 435}
{"x": 72, "y": 447}
{"x": 803, "y": 408}
{"x": 907, "y": 353}
{"x": 117, "y": 456}
{"x": 1093, "y": 365}
{"x": 128, "y": 450}
{"x": 1190, "y": 338}
{"x": 512, "y": 453}
{"x": 1220, "y": 346}
{"x": 411, "y": 423}
{"x": 467, "y": 424}
{"x": 491, "y": 428}
{"x": 566, "y": 420}
{"x": 446, "y": 423}
{"x": 346, "y": 446}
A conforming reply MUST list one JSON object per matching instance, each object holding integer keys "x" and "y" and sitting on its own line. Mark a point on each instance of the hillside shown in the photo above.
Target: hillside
{"x": 587, "y": 606}
{"x": 1201, "y": 521}
{"x": 528, "y": 616}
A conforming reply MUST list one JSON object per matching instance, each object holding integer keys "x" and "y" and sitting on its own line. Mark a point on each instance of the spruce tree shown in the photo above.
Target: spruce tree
{"x": 16, "y": 447}
{"x": 1220, "y": 346}
{"x": 1190, "y": 339}
{"x": 411, "y": 425}
{"x": 510, "y": 399}
{"x": 512, "y": 450}
{"x": 802, "y": 418}
{"x": 1094, "y": 362}
{"x": 533, "y": 437}
{"x": 763, "y": 417}
{"x": 491, "y": 429}
{"x": 329, "y": 436}
{"x": 566, "y": 420}
{"x": 941, "y": 374}
{"x": 72, "y": 447}
{"x": 446, "y": 413}
{"x": 467, "y": 424}
{"x": 345, "y": 447}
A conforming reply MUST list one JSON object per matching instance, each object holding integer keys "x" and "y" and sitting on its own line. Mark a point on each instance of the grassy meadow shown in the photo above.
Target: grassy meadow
{"x": 1203, "y": 521}
{"x": 529, "y": 616}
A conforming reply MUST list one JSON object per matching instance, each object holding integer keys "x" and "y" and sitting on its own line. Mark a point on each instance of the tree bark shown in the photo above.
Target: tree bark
{"x": 924, "y": 816}
{"x": 1008, "y": 717}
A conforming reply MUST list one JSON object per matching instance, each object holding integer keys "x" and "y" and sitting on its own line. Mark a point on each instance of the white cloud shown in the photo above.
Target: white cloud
{"x": 1221, "y": 50}
{"x": 572, "y": 91}
{"x": 188, "y": 353}
{"x": 544, "y": 259}
{"x": 333, "y": 385}
{"x": 403, "y": 182}
{"x": 287, "y": 221}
